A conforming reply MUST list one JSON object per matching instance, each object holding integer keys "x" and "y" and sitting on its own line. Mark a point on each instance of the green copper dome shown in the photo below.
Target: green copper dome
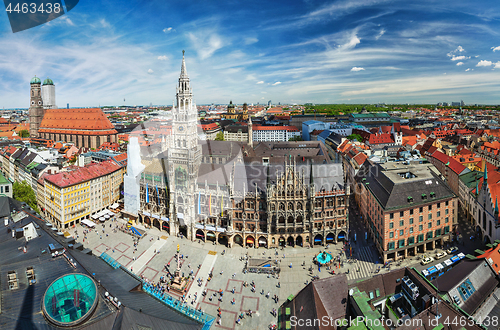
{"x": 35, "y": 80}
{"x": 48, "y": 81}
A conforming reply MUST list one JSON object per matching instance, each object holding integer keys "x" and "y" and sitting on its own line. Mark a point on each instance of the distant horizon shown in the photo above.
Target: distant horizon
{"x": 316, "y": 104}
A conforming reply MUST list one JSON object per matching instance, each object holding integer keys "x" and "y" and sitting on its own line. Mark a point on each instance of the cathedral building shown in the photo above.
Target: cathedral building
{"x": 87, "y": 127}
{"x": 84, "y": 127}
{"x": 210, "y": 190}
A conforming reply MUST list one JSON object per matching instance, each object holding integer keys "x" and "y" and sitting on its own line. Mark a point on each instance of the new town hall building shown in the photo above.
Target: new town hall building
{"x": 210, "y": 190}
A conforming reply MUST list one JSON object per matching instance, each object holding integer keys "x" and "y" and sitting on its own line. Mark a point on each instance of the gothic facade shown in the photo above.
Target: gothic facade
{"x": 205, "y": 190}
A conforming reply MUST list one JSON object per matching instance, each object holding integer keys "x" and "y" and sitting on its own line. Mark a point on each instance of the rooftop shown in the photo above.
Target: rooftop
{"x": 82, "y": 174}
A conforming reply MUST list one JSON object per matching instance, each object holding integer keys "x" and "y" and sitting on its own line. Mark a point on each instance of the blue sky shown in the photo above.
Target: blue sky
{"x": 348, "y": 51}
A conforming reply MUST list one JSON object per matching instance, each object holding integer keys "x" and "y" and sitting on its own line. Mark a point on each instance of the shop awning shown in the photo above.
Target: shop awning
{"x": 250, "y": 240}
{"x": 199, "y": 235}
{"x": 341, "y": 236}
{"x": 88, "y": 223}
{"x": 211, "y": 234}
{"x": 262, "y": 240}
{"x": 317, "y": 239}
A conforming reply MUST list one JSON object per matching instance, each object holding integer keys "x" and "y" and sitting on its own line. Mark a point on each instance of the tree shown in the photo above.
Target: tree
{"x": 296, "y": 138}
{"x": 355, "y": 137}
{"x": 23, "y": 192}
{"x": 219, "y": 136}
{"x": 24, "y": 133}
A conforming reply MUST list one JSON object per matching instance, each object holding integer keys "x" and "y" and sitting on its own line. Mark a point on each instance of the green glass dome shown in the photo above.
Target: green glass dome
{"x": 35, "y": 80}
{"x": 70, "y": 300}
{"x": 48, "y": 81}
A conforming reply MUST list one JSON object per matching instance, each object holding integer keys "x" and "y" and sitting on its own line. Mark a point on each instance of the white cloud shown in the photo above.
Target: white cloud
{"x": 459, "y": 49}
{"x": 381, "y": 33}
{"x": 484, "y": 63}
{"x": 150, "y": 71}
{"x": 460, "y": 63}
{"x": 167, "y": 30}
{"x": 206, "y": 43}
{"x": 260, "y": 82}
{"x": 355, "y": 69}
{"x": 163, "y": 57}
{"x": 104, "y": 23}
{"x": 495, "y": 48}
{"x": 467, "y": 70}
{"x": 277, "y": 83}
{"x": 250, "y": 40}
{"x": 497, "y": 65}
{"x": 353, "y": 41}
{"x": 459, "y": 58}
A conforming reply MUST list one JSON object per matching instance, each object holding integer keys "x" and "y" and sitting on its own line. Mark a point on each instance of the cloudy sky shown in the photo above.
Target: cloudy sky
{"x": 346, "y": 51}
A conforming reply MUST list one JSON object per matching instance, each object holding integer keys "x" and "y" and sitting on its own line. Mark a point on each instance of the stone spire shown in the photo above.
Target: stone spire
{"x": 183, "y": 67}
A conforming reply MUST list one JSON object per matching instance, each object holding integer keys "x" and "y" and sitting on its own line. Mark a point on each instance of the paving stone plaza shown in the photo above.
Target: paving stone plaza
{"x": 154, "y": 251}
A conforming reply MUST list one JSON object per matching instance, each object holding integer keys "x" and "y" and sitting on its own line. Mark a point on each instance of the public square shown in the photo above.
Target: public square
{"x": 157, "y": 249}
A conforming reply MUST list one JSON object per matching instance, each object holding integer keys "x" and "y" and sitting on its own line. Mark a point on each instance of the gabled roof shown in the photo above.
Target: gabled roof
{"x": 82, "y": 174}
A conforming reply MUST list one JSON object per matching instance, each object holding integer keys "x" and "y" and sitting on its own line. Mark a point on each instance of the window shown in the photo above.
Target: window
{"x": 391, "y": 225}
{"x": 401, "y": 243}
{"x": 421, "y": 209}
{"x": 390, "y": 246}
{"x": 401, "y": 223}
{"x": 438, "y": 222}
{"x": 411, "y": 230}
{"x": 446, "y": 211}
{"x": 429, "y": 225}
{"x": 430, "y": 207}
{"x": 401, "y": 232}
{"x": 429, "y": 235}
{"x": 420, "y": 218}
{"x": 446, "y": 229}
{"x": 438, "y": 232}
{"x": 391, "y": 216}
{"x": 411, "y": 221}
{"x": 420, "y": 228}
{"x": 411, "y": 212}
{"x": 402, "y": 214}
{"x": 411, "y": 240}
{"x": 466, "y": 289}
{"x": 430, "y": 216}
{"x": 391, "y": 234}
{"x": 446, "y": 220}
{"x": 420, "y": 238}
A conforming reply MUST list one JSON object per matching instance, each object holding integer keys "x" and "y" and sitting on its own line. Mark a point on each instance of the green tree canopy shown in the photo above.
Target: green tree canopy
{"x": 219, "y": 136}
{"x": 355, "y": 137}
{"x": 23, "y": 192}
{"x": 296, "y": 138}
{"x": 24, "y": 133}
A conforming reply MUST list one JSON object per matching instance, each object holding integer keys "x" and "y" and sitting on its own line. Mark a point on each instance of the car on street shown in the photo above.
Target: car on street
{"x": 427, "y": 260}
{"x": 452, "y": 250}
{"x": 440, "y": 255}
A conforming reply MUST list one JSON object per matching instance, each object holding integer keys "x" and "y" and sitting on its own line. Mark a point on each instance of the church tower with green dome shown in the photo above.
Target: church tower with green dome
{"x": 49, "y": 94}
{"x": 36, "y": 110}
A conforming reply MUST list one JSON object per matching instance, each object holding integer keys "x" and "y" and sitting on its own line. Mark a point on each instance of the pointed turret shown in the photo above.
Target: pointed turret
{"x": 183, "y": 67}
{"x": 496, "y": 207}
{"x": 485, "y": 173}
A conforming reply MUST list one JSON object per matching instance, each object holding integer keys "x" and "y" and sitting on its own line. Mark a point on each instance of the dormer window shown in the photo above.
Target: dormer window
{"x": 433, "y": 195}
{"x": 424, "y": 196}
{"x": 410, "y": 199}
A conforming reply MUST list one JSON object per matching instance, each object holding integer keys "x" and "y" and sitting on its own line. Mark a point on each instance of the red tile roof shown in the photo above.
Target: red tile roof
{"x": 493, "y": 254}
{"x": 82, "y": 174}
{"x": 76, "y": 121}
{"x": 452, "y": 163}
{"x": 380, "y": 138}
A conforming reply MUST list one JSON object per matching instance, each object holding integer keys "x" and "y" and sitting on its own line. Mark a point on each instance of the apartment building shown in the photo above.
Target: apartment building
{"x": 406, "y": 206}
{"x": 66, "y": 198}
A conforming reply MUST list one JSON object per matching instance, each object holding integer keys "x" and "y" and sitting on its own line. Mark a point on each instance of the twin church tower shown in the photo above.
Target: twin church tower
{"x": 42, "y": 97}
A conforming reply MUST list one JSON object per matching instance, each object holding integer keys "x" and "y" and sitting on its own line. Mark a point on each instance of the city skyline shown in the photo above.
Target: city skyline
{"x": 103, "y": 53}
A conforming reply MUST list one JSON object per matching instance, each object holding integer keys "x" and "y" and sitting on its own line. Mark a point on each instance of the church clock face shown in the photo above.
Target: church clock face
{"x": 181, "y": 128}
